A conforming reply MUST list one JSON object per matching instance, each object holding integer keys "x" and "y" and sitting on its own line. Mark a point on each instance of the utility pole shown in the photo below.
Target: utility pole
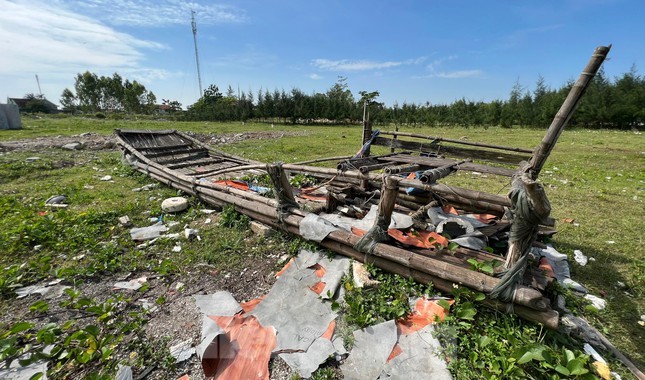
{"x": 40, "y": 92}
{"x": 199, "y": 76}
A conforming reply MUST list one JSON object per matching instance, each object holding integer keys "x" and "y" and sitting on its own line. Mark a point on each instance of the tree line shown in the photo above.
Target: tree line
{"x": 617, "y": 103}
{"x": 608, "y": 103}
{"x": 107, "y": 94}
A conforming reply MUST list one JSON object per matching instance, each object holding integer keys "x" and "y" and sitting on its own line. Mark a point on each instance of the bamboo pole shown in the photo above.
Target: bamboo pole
{"x": 561, "y": 119}
{"x": 548, "y": 317}
{"x": 435, "y": 187}
{"x": 481, "y": 145}
{"x": 432, "y": 175}
{"x": 369, "y": 168}
{"x": 402, "y": 169}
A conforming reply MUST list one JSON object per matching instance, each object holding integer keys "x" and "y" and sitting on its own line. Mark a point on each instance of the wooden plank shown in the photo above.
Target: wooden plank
{"x": 226, "y": 165}
{"x": 484, "y": 155}
{"x": 195, "y": 163}
{"x": 176, "y": 152}
{"x": 436, "y": 162}
{"x": 162, "y": 147}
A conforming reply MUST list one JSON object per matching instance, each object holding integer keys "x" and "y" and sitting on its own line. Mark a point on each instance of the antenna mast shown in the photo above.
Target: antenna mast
{"x": 40, "y": 92}
{"x": 194, "y": 24}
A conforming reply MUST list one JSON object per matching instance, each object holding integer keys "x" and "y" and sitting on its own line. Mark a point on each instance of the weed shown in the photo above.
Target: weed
{"x": 484, "y": 344}
{"x": 389, "y": 300}
{"x": 230, "y": 218}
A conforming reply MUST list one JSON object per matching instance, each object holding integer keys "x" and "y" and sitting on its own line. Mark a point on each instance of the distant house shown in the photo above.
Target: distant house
{"x": 34, "y": 105}
{"x": 163, "y": 108}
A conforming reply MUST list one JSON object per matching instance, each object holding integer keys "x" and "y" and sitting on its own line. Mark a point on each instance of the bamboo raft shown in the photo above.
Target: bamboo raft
{"x": 359, "y": 181}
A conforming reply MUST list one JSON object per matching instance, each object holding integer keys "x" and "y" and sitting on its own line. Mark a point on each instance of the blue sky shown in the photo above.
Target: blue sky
{"x": 414, "y": 51}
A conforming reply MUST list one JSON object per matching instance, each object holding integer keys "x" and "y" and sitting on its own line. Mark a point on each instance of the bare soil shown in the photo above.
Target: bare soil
{"x": 95, "y": 141}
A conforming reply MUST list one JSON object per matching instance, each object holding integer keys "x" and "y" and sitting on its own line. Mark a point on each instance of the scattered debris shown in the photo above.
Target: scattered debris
{"x": 135, "y": 284}
{"x": 124, "y": 373}
{"x": 125, "y": 221}
{"x": 48, "y": 291}
{"x": 596, "y": 302}
{"x": 182, "y": 351}
{"x": 361, "y": 276}
{"x": 147, "y": 305}
{"x": 574, "y": 285}
{"x": 73, "y": 146}
{"x": 558, "y": 261}
{"x": 176, "y": 248}
{"x": 610, "y": 242}
{"x": 372, "y": 346}
{"x": 57, "y": 201}
{"x": 32, "y": 159}
{"x": 147, "y": 233}
{"x": 191, "y": 233}
{"x": 207, "y": 211}
{"x": 261, "y": 229}
{"x": 145, "y": 188}
{"x": 17, "y": 372}
{"x": 174, "y": 204}
{"x": 580, "y": 257}
{"x": 106, "y": 178}
{"x": 408, "y": 365}
{"x": 315, "y": 228}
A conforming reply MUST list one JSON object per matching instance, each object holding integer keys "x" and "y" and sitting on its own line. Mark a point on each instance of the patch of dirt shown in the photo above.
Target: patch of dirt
{"x": 88, "y": 140}
{"x": 95, "y": 141}
{"x": 176, "y": 319}
{"x": 230, "y": 138}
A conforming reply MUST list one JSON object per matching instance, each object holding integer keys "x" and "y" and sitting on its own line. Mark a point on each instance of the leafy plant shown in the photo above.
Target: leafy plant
{"x": 230, "y": 218}
{"x": 487, "y": 267}
{"x": 388, "y": 300}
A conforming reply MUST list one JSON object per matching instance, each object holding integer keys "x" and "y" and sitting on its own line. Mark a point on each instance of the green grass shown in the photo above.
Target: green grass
{"x": 575, "y": 177}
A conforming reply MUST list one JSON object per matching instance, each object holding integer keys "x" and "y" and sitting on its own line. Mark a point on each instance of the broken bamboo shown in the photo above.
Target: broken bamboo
{"x": 567, "y": 109}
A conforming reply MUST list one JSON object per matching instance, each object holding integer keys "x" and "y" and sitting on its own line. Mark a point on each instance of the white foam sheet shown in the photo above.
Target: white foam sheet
{"x": 305, "y": 363}
{"x": 335, "y": 269}
{"x": 419, "y": 358}
{"x": 372, "y": 347}
{"x": 315, "y": 228}
{"x": 220, "y": 304}
{"x": 399, "y": 221}
{"x": 147, "y": 233}
{"x": 293, "y": 309}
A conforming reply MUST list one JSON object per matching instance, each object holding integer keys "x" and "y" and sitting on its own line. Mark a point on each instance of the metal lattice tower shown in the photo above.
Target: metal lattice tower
{"x": 199, "y": 76}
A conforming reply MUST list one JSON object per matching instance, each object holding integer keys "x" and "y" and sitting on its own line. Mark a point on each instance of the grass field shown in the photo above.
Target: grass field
{"x": 594, "y": 177}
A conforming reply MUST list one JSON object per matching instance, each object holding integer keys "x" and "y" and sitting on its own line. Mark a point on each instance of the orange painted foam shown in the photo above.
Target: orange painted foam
{"x": 242, "y": 352}
{"x": 424, "y": 313}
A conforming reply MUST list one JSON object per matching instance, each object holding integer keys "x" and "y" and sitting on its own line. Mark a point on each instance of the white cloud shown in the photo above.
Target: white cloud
{"x": 156, "y": 13}
{"x": 56, "y": 43}
{"x": 36, "y": 37}
{"x": 435, "y": 70}
{"x": 315, "y": 76}
{"x": 457, "y": 74}
{"x": 361, "y": 65}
